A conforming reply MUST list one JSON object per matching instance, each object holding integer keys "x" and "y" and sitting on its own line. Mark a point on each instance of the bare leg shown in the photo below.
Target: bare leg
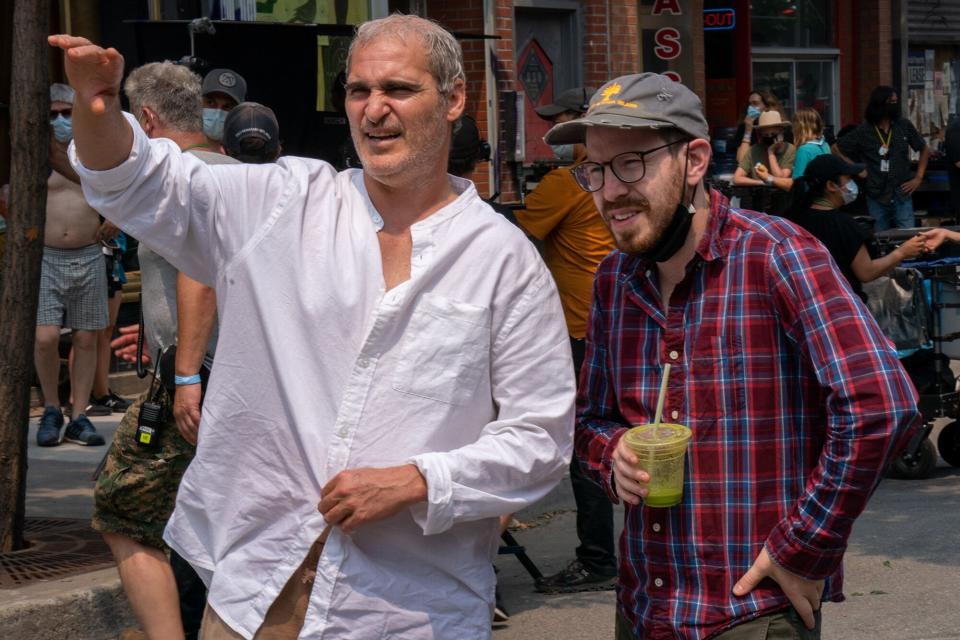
{"x": 84, "y": 366}
{"x": 46, "y": 358}
{"x": 150, "y": 587}
{"x": 101, "y": 384}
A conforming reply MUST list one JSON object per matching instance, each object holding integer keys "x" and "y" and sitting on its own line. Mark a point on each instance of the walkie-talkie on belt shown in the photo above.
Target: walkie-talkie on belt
{"x": 152, "y": 411}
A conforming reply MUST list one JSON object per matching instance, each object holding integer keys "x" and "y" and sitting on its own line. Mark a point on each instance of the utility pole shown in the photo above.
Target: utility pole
{"x": 20, "y": 268}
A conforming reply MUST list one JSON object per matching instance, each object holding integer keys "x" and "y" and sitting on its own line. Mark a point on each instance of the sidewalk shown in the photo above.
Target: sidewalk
{"x": 902, "y": 578}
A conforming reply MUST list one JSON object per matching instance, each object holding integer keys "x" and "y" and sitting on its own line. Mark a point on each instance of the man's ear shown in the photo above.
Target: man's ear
{"x": 698, "y": 159}
{"x": 457, "y": 100}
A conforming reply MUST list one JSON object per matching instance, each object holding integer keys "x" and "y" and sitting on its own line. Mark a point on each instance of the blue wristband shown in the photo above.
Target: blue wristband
{"x": 185, "y": 380}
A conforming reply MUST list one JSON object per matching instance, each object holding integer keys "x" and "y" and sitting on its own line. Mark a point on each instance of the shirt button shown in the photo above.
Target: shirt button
{"x": 363, "y": 363}
{"x": 674, "y": 355}
{"x": 343, "y": 432}
{"x": 658, "y": 582}
{"x": 674, "y": 414}
{"x": 656, "y": 528}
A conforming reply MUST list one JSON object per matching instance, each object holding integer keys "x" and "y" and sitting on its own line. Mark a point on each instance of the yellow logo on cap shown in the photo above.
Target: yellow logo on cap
{"x": 608, "y": 94}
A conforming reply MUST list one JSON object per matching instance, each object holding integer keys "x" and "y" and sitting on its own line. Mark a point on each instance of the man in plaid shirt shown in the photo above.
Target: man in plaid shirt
{"x": 796, "y": 400}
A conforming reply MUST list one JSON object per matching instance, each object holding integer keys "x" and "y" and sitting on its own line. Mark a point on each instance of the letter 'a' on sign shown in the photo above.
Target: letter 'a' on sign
{"x": 664, "y": 6}
{"x": 667, "y": 43}
{"x": 719, "y": 19}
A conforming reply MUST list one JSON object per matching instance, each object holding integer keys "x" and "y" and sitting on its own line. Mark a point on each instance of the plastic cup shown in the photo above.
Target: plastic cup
{"x": 662, "y": 449}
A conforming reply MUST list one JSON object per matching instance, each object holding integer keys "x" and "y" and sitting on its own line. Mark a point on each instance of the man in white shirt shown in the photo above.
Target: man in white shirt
{"x": 390, "y": 348}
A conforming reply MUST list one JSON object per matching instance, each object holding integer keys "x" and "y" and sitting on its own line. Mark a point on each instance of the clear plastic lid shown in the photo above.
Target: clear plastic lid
{"x": 661, "y": 436}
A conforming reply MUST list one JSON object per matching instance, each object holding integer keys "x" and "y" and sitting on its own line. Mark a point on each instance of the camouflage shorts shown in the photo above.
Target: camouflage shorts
{"x": 137, "y": 490}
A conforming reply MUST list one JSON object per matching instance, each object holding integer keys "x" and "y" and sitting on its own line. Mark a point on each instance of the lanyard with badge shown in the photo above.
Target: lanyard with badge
{"x": 884, "y": 149}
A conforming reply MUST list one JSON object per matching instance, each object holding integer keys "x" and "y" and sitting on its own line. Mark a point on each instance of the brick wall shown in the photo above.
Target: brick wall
{"x": 466, "y": 17}
{"x": 869, "y": 45}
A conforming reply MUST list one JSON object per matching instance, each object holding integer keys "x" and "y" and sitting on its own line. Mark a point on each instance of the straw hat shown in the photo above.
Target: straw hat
{"x": 772, "y": 120}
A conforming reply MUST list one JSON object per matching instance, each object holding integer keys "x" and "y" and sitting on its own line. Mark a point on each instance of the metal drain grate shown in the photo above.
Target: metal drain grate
{"x": 59, "y": 547}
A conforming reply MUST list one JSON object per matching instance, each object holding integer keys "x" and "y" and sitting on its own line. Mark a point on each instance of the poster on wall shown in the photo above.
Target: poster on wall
{"x": 535, "y": 80}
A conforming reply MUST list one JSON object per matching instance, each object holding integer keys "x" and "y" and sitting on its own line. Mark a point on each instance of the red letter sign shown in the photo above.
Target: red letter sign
{"x": 661, "y": 6}
{"x": 667, "y": 42}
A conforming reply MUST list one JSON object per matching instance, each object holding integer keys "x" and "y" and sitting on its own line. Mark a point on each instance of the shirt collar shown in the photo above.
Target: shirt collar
{"x": 464, "y": 189}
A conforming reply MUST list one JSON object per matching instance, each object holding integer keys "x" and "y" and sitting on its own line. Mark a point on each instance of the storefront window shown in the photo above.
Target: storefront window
{"x": 798, "y": 84}
{"x": 780, "y": 23}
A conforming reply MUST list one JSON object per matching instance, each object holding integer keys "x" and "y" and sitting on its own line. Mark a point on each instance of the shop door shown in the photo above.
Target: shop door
{"x": 547, "y": 55}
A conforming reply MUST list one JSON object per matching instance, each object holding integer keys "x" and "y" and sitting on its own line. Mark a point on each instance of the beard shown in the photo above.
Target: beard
{"x": 424, "y": 143}
{"x": 647, "y": 228}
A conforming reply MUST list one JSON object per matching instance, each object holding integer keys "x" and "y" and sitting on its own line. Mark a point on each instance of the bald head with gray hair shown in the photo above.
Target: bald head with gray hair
{"x": 171, "y": 91}
{"x": 444, "y": 56}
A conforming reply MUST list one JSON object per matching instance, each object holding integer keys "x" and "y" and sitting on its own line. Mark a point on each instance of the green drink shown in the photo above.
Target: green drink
{"x": 662, "y": 449}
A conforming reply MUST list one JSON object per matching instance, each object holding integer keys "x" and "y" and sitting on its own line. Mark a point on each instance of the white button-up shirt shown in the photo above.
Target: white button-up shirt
{"x": 464, "y": 370}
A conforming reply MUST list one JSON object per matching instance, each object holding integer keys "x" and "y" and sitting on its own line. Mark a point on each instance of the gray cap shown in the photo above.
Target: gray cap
{"x": 639, "y": 101}
{"x": 225, "y": 81}
{"x": 576, "y": 100}
{"x": 62, "y": 93}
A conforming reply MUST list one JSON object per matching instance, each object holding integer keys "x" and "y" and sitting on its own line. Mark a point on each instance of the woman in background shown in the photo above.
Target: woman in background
{"x": 826, "y": 185}
{"x": 807, "y": 138}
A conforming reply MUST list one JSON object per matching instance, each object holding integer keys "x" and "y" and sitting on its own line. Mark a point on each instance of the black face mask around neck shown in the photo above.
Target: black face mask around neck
{"x": 676, "y": 232}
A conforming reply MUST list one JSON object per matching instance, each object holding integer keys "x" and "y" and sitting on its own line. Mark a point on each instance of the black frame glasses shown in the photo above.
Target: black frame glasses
{"x": 66, "y": 113}
{"x": 627, "y": 167}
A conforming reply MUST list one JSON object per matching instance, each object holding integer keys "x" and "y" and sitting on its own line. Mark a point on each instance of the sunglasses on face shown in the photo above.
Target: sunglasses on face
{"x": 66, "y": 113}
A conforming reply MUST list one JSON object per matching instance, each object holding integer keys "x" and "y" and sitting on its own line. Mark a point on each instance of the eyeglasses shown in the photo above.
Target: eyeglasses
{"x": 66, "y": 113}
{"x": 627, "y": 167}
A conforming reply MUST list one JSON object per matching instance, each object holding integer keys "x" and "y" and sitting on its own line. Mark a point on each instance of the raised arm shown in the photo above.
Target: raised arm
{"x": 102, "y": 135}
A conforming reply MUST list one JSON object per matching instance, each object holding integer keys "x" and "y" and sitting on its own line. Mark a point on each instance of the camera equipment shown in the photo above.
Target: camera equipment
{"x": 195, "y": 26}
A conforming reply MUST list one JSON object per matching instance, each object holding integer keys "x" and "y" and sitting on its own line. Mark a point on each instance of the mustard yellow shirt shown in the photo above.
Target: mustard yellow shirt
{"x": 563, "y": 216}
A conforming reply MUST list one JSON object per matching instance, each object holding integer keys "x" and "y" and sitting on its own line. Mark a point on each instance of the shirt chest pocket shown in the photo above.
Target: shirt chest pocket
{"x": 445, "y": 350}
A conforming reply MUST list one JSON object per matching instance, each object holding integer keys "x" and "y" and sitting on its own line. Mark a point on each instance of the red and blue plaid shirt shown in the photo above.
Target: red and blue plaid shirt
{"x": 796, "y": 400}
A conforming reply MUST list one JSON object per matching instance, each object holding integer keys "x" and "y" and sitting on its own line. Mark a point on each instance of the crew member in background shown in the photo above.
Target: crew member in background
{"x": 222, "y": 90}
{"x": 883, "y": 143}
{"x": 564, "y": 217}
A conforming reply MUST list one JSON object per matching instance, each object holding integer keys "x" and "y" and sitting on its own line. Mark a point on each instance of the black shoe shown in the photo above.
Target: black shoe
{"x": 48, "y": 433}
{"x": 575, "y": 578}
{"x": 80, "y": 431}
{"x": 113, "y": 402}
{"x": 97, "y": 409}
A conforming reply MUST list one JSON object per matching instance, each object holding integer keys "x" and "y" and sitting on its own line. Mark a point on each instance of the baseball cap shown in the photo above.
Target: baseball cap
{"x": 60, "y": 92}
{"x": 225, "y": 81}
{"x": 830, "y": 167}
{"x": 638, "y": 101}
{"x": 251, "y": 133}
{"x": 576, "y": 100}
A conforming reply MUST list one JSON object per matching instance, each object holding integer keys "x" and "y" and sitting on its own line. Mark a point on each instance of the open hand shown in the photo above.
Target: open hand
{"x": 355, "y": 497}
{"x": 94, "y": 73}
{"x": 125, "y": 346}
{"x": 803, "y": 594}
{"x": 911, "y": 185}
{"x": 630, "y": 481}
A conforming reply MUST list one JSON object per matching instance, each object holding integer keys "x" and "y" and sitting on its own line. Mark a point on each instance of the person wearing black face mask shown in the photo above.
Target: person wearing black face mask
{"x": 883, "y": 144}
{"x": 771, "y": 158}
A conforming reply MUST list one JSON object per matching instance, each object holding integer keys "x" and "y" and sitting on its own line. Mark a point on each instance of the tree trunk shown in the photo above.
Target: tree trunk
{"x": 20, "y": 273}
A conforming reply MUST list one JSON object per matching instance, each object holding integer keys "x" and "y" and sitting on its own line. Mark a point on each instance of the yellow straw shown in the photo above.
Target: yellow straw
{"x": 663, "y": 394}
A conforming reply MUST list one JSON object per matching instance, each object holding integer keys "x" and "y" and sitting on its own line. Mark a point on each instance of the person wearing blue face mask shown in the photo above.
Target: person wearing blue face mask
{"x": 569, "y": 105}
{"x": 222, "y": 90}
{"x": 827, "y": 184}
{"x": 757, "y": 102}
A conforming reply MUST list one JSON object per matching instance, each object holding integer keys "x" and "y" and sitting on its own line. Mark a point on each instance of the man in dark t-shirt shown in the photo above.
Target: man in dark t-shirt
{"x": 883, "y": 144}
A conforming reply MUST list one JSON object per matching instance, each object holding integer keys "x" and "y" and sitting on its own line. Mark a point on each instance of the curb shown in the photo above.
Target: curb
{"x": 91, "y": 606}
